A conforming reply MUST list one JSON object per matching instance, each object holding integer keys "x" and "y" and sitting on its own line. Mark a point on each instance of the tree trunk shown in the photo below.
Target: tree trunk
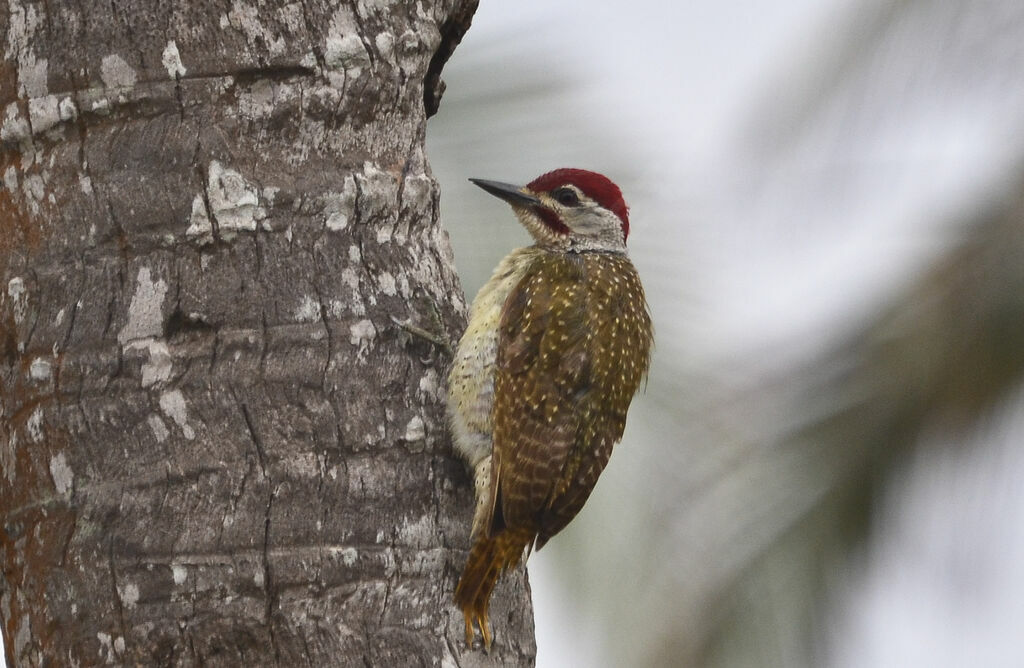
{"x": 217, "y": 447}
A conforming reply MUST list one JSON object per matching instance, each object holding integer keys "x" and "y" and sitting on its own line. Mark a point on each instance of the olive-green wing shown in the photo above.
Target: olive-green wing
{"x": 558, "y": 388}
{"x": 542, "y": 361}
{"x": 620, "y": 339}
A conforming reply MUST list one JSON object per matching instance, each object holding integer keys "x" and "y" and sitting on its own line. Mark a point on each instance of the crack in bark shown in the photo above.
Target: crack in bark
{"x": 204, "y": 177}
{"x": 73, "y": 316}
{"x": 268, "y": 590}
{"x": 264, "y": 348}
{"x": 362, "y": 33}
{"x": 330, "y": 336}
{"x": 252, "y": 435}
{"x": 384, "y": 605}
{"x": 118, "y": 605}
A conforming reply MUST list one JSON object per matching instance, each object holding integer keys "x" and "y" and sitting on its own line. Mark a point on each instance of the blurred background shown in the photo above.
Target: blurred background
{"x": 827, "y": 207}
{"x": 826, "y": 467}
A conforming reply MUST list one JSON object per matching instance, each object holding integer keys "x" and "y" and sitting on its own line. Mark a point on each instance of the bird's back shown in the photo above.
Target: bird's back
{"x": 574, "y": 344}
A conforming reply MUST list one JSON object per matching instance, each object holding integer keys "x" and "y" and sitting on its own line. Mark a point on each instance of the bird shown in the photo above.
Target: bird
{"x": 557, "y": 343}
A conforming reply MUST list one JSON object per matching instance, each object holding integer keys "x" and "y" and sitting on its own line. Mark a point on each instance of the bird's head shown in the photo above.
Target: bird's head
{"x": 568, "y": 209}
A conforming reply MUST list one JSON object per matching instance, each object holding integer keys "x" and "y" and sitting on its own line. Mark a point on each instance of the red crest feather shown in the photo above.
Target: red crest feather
{"x": 596, "y": 186}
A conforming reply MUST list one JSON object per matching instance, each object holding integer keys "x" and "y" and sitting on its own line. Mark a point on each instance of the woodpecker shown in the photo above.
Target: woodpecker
{"x": 557, "y": 344}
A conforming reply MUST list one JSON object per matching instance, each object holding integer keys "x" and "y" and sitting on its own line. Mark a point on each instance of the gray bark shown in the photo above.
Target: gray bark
{"x": 217, "y": 447}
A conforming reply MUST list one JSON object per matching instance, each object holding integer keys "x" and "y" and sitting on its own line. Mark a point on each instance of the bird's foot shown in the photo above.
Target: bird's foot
{"x": 483, "y": 621}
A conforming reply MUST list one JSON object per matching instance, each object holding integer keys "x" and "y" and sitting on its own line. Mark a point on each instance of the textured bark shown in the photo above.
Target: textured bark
{"x": 217, "y": 447}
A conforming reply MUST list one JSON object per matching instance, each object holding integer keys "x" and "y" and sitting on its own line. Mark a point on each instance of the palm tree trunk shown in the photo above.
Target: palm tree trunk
{"x": 217, "y": 446}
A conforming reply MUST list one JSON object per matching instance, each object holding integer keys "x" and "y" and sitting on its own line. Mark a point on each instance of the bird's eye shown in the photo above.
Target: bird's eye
{"x": 566, "y": 197}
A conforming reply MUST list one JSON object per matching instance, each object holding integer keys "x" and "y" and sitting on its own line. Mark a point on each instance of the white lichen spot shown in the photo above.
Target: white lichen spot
{"x": 41, "y": 369}
{"x": 116, "y": 72}
{"x": 67, "y": 109}
{"x": 234, "y": 205}
{"x": 336, "y": 308}
{"x": 418, "y": 191}
{"x": 158, "y": 427}
{"x": 16, "y": 291}
{"x": 345, "y": 54}
{"x": 23, "y": 22}
{"x": 258, "y": 578}
{"x": 8, "y": 448}
{"x": 385, "y": 42}
{"x": 15, "y": 128}
{"x": 362, "y": 335}
{"x": 85, "y": 183}
{"x": 157, "y": 367}
{"x": 415, "y": 430}
{"x": 35, "y": 425}
{"x": 106, "y": 646}
{"x": 234, "y": 199}
{"x": 429, "y": 384}
{"x": 340, "y": 207}
{"x": 11, "y": 179}
{"x": 129, "y": 594}
{"x": 172, "y": 403}
{"x": 145, "y": 313}
{"x": 308, "y": 310}
{"x": 179, "y": 573}
{"x": 349, "y": 556}
{"x": 63, "y": 476}
{"x": 171, "y": 60}
{"x": 43, "y": 113}
{"x": 101, "y": 106}
{"x": 119, "y": 644}
{"x": 199, "y": 220}
{"x": 387, "y": 284}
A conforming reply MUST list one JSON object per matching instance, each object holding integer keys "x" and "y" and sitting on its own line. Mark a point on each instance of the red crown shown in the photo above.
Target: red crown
{"x": 595, "y": 186}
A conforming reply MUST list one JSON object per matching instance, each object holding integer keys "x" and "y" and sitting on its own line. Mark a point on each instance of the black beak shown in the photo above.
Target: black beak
{"x": 508, "y": 192}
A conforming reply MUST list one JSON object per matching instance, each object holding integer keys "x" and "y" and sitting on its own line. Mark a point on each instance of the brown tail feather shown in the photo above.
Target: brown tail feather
{"x": 489, "y": 558}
